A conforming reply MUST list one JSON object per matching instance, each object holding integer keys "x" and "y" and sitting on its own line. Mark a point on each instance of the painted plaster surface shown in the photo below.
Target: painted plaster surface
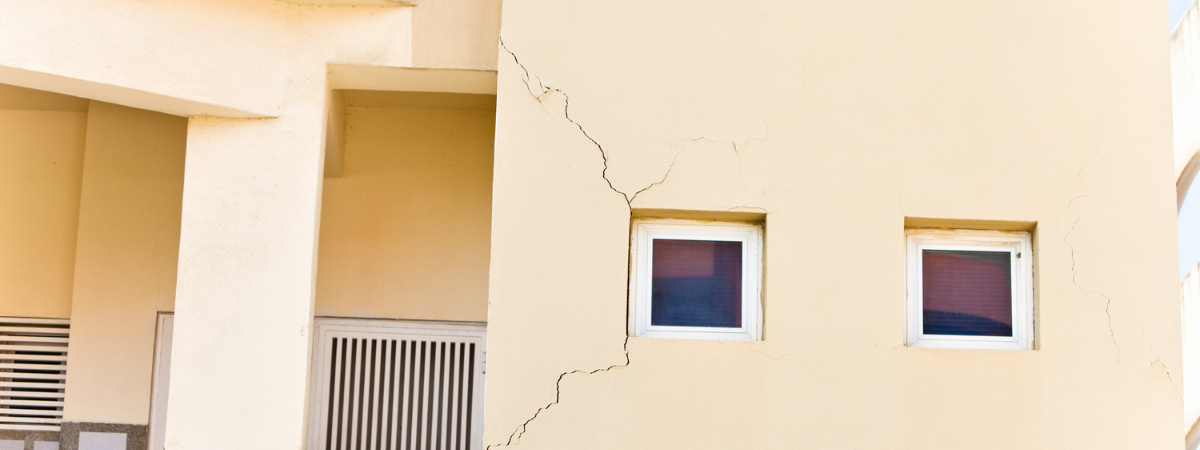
{"x": 837, "y": 120}
{"x": 232, "y": 54}
{"x": 252, "y": 77}
{"x": 19, "y": 98}
{"x": 125, "y": 259}
{"x": 247, "y": 260}
{"x": 457, "y": 34}
{"x": 251, "y": 193}
{"x": 405, "y": 230}
{"x": 41, "y": 162}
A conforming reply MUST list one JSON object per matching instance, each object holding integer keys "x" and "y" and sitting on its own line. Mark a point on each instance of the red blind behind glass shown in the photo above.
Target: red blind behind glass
{"x": 967, "y": 293}
{"x": 696, "y": 284}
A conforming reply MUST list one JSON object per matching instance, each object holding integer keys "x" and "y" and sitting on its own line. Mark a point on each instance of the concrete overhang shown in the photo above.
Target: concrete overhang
{"x": 25, "y": 99}
{"x": 120, "y": 95}
{"x": 344, "y": 77}
{"x": 376, "y": 78}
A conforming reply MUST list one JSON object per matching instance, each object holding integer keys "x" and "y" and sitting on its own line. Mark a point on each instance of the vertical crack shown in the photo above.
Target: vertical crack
{"x": 1067, "y": 239}
{"x": 738, "y": 154}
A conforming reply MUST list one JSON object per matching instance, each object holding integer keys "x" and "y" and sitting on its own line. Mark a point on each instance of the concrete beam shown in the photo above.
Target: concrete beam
{"x": 395, "y": 79}
{"x": 124, "y": 96}
{"x": 376, "y": 78}
{"x": 19, "y": 98}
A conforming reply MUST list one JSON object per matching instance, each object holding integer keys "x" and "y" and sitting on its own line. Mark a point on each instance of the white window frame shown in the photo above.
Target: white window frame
{"x": 1016, "y": 243}
{"x": 642, "y": 257}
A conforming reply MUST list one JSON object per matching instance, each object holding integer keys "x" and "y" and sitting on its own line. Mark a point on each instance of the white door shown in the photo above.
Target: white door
{"x": 162, "y": 381}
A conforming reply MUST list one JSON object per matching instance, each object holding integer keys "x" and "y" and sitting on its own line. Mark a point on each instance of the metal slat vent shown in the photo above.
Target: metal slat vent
{"x": 33, "y": 372}
{"x": 399, "y": 390}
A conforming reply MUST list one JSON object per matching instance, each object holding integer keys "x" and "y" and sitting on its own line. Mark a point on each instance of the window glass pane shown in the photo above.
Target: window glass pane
{"x": 696, "y": 284}
{"x": 967, "y": 293}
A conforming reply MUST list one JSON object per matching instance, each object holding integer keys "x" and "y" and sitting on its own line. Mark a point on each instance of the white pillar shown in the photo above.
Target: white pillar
{"x": 251, "y": 202}
{"x": 125, "y": 259}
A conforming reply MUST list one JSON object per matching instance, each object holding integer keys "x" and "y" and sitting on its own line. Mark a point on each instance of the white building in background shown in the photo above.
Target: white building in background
{"x": 1185, "y": 86}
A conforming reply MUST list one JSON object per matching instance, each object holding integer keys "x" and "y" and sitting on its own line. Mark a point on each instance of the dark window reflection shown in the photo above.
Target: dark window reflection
{"x": 696, "y": 284}
{"x": 967, "y": 293}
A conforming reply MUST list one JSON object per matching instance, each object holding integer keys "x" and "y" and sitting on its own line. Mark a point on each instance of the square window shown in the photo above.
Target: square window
{"x": 969, "y": 289}
{"x": 695, "y": 280}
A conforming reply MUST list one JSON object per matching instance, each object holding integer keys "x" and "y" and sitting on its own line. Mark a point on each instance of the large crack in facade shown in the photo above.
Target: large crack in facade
{"x": 1107, "y": 300}
{"x": 542, "y": 89}
{"x": 537, "y": 88}
{"x": 538, "y": 94}
{"x": 515, "y": 437}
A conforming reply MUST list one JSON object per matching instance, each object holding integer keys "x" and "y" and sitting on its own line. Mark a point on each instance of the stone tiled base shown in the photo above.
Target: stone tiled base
{"x": 102, "y": 436}
{"x": 78, "y": 436}
{"x": 28, "y": 440}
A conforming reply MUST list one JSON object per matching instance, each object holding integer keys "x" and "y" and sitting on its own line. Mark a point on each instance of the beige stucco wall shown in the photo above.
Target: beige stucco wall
{"x": 838, "y": 120}
{"x": 41, "y": 160}
{"x": 91, "y": 207}
{"x": 192, "y": 57}
{"x": 125, "y": 260}
{"x": 455, "y": 34}
{"x": 251, "y": 75}
{"x": 405, "y": 230}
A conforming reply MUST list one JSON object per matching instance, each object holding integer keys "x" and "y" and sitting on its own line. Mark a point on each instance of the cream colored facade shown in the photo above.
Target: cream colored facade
{"x": 405, "y": 229}
{"x": 256, "y": 166}
{"x": 840, "y": 121}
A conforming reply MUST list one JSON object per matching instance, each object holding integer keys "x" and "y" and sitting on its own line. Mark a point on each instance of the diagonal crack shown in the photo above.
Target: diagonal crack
{"x": 1158, "y": 360}
{"x": 515, "y": 437}
{"x": 1067, "y": 239}
{"x": 656, "y": 183}
{"x": 542, "y": 89}
{"x": 538, "y": 93}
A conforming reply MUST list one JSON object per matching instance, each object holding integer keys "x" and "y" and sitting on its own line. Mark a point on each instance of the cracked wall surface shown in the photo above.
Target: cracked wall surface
{"x": 837, "y": 121}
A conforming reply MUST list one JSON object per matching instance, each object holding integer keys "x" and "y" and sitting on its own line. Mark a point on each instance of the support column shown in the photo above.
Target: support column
{"x": 243, "y": 309}
{"x": 125, "y": 259}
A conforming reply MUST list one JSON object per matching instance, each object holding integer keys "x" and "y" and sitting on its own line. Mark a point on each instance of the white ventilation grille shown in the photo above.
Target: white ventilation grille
{"x": 393, "y": 385}
{"x": 33, "y": 370}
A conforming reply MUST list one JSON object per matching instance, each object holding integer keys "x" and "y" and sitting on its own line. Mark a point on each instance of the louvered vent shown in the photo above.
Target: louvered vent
{"x": 398, "y": 386}
{"x": 33, "y": 371}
